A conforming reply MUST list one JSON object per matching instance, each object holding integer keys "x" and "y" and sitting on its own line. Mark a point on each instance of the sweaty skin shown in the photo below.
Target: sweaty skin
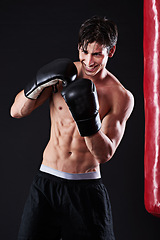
{"x": 66, "y": 150}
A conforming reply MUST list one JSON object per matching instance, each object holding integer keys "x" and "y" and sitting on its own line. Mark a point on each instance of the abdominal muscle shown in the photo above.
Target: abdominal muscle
{"x": 66, "y": 150}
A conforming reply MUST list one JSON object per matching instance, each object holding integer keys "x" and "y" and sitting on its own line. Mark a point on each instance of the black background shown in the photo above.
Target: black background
{"x": 32, "y": 33}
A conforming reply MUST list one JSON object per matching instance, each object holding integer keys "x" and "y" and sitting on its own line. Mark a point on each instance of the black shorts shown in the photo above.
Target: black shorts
{"x": 65, "y": 209}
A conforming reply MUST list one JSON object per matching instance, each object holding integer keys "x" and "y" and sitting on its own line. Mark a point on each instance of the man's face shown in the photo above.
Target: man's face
{"x": 93, "y": 59}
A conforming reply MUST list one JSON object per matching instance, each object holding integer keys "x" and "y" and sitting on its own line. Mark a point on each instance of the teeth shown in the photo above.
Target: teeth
{"x": 90, "y": 68}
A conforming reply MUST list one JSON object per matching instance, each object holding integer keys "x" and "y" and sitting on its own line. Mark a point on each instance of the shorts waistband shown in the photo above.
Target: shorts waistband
{"x": 70, "y": 176}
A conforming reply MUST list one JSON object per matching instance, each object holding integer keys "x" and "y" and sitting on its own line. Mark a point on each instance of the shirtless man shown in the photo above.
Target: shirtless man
{"x": 88, "y": 115}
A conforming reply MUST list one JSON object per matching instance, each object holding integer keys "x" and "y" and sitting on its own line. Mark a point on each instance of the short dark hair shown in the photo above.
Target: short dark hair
{"x": 100, "y": 30}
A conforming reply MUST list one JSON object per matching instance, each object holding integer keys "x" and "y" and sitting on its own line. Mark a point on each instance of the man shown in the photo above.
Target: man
{"x": 88, "y": 111}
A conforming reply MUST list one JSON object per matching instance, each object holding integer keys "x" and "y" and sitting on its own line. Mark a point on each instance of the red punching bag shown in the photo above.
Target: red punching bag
{"x": 151, "y": 45}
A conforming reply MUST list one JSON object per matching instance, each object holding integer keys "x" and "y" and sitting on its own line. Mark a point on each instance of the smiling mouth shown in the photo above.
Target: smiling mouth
{"x": 90, "y": 69}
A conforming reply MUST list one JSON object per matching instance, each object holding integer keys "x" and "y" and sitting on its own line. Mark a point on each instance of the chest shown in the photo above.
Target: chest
{"x": 60, "y": 108}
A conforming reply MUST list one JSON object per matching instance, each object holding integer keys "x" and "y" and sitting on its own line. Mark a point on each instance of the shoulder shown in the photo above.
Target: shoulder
{"x": 125, "y": 103}
{"x": 79, "y": 67}
{"x": 122, "y": 99}
{"x": 77, "y": 64}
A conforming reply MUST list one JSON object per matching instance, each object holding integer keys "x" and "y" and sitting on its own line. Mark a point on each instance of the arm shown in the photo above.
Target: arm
{"x": 104, "y": 143}
{"x": 39, "y": 89}
{"x": 23, "y": 106}
{"x": 101, "y": 139}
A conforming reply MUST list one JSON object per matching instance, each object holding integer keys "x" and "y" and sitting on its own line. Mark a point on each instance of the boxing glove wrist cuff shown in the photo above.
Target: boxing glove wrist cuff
{"x": 33, "y": 90}
{"x": 90, "y": 126}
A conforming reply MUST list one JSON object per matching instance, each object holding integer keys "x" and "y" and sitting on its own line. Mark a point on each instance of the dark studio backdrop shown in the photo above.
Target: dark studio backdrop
{"x": 32, "y": 33}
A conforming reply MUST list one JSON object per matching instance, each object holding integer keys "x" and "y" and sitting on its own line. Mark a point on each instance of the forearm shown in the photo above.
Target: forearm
{"x": 100, "y": 146}
{"x": 22, "y": 106}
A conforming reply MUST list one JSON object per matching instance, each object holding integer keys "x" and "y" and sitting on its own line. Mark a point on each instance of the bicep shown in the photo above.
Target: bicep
{"x": 114, "y": 123}
{"x": 113, "y": 127}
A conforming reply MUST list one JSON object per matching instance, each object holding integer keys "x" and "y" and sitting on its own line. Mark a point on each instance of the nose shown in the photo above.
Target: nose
{"x": 89, "y": 61}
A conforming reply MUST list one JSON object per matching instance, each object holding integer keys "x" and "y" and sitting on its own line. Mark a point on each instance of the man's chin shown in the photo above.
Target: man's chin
{"x": 91, "y": 74}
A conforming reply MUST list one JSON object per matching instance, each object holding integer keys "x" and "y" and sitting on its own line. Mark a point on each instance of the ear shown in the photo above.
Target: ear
{"x": 112, "y": 51}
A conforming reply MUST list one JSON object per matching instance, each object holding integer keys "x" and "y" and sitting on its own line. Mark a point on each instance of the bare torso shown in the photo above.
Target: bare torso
{"x": 66, "y": 150}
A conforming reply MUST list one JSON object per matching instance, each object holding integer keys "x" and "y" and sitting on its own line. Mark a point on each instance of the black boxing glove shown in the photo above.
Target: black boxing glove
{"x": 82, "y": 100}
{"x": 49, "y": 75}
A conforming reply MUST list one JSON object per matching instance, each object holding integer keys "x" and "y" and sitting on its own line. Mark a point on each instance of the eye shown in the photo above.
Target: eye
{"x": 85, "y": 51}
{"x": 96, "y": 54}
